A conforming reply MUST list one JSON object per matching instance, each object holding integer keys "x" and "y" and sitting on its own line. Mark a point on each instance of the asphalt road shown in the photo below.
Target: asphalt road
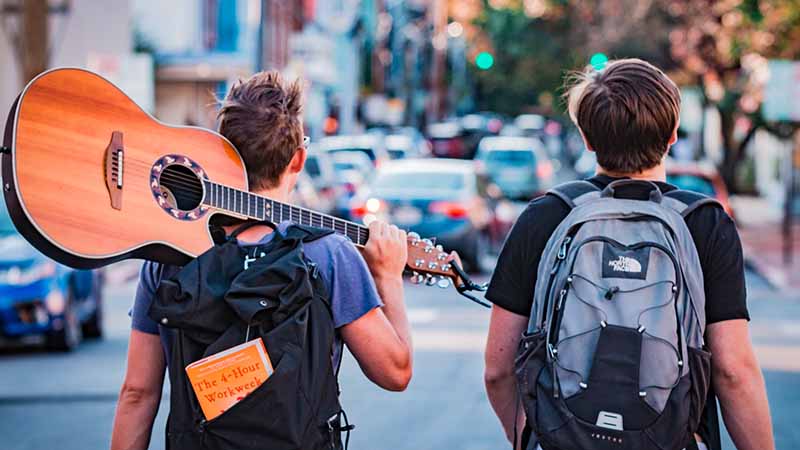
{"x": 67, "y": 401}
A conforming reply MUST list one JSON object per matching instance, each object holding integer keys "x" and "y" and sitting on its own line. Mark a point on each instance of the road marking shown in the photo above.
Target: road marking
{"x": 449, "y": 340}
{"x": 422, "y": 315}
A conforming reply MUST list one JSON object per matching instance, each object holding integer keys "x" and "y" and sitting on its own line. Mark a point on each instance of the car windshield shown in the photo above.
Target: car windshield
{"x": 6, "y": 226}
{"x": 348, "y": 165}
{"x": 509, "y": 157}
{"x": 396, "y": 154}
{"x": 367, "y": 151}
{"x": 692, "y": 183}
{"x": 418, "y": 181}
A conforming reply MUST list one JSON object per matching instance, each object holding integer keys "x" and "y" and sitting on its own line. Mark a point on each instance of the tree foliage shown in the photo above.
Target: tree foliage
{"x": 721, "y": 45}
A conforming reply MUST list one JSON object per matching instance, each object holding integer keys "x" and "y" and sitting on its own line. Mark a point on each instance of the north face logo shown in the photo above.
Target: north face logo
{"x": 625, "y": 264}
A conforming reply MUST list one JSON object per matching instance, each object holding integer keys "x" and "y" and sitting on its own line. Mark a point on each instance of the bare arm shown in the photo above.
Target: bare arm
{"x": 505, "y": 331}
{"x": 381, "y": 339}
{"x": 739, "y": 385}
{"x": 140, "y": 393}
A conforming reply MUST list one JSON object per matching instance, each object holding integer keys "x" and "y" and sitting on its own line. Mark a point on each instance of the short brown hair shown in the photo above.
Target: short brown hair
{"x": 627, "y": 113}
{"x": 261, "y": 118}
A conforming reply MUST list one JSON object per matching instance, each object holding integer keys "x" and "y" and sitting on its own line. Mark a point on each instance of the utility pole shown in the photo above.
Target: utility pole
{"x": 438, "y": 17}
{"x": 30, "y": 37}
{"x": 35, "y": 56}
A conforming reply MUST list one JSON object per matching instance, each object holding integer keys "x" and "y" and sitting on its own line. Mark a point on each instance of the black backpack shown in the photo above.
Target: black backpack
{"x": 214, "y": 304}
{"x": 614, "y": 355}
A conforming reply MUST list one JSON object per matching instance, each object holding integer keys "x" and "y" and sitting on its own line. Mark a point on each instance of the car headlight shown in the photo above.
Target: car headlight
{"x": 17, "y": 277}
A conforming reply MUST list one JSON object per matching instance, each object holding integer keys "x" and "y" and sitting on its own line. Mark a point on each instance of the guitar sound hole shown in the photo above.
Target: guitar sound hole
{"x": 184, "y": 191}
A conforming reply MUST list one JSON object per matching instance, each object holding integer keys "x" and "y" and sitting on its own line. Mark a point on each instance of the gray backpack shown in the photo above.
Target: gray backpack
{"x": 613, "y": 356}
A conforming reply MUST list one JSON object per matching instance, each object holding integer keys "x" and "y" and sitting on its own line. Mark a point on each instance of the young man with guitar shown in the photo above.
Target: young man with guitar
{"x": 583, "y": 333}
{"x": 262, "y": 118}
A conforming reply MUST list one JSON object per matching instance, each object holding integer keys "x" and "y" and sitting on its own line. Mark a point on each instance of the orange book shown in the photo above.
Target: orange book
{"x": 223, "y": 379}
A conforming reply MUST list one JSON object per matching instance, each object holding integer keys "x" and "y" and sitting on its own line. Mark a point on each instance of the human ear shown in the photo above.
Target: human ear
{"x": 298, "y": 160}
{"x": 585, "y": 141}
{"x": 674, "y": 137}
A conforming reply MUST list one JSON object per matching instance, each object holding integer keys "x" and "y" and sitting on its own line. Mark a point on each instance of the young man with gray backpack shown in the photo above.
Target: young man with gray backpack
{"x": 620, "y": 313}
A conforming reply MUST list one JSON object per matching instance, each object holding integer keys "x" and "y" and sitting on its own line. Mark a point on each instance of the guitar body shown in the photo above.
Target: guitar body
{"x": 81, "y": 180}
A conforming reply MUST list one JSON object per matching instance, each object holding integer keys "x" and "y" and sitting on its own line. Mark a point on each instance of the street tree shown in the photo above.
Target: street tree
{"x": 724, "y": 47}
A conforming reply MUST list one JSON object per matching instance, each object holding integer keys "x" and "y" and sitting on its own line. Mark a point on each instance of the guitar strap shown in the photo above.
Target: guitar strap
{"x": 219, "y": 236}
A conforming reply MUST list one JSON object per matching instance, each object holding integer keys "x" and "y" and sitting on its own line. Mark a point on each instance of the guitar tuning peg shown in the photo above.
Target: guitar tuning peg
{"x": 416, "y": 278}
{"x": 443, "y": 282}
{"x": 442, "y": 256}
{"x": 439, "y": 248}
{"x": 427, "y": 242}
{"x": 413, "y": 235}
{"x": 430, "y": 281}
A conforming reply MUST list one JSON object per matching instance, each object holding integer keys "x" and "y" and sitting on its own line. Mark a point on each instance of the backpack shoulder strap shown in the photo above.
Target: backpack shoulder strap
{"x": 573, "y": 192}
{"x": 685, "y": 202}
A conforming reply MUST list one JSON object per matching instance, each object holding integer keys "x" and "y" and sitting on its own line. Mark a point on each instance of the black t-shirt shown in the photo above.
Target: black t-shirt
{"x": 713, "y": 231}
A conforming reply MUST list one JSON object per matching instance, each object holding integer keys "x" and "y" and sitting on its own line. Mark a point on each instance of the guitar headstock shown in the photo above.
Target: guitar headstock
{"x": 429, "y": 263}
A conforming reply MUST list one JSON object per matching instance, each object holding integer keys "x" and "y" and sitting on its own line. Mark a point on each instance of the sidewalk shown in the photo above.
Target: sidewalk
{"x": 761, "y": 229}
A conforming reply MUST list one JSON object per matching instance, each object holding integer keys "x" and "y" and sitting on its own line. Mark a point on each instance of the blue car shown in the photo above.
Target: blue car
{"x": 41, "y": 300}
{"x": 439, "y": 198}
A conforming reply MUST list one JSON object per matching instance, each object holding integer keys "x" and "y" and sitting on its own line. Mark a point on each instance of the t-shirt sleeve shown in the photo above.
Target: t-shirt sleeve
{"x": 514, "y": 278}
{"x": 353, "y": 291}
{"x": 145, "y": 292}
{"x": 721, "y": 258}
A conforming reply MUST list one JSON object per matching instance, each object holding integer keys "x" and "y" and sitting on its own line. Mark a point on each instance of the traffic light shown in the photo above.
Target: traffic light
{"x": 599, "y": 61}
{"x": 484, "y": 60}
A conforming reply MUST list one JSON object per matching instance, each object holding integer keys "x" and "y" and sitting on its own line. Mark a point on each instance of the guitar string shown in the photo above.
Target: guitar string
{"x": 190, "y": 184}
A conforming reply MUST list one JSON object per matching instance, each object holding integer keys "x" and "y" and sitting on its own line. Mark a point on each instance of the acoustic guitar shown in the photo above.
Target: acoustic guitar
{"x": 90, "y": 178}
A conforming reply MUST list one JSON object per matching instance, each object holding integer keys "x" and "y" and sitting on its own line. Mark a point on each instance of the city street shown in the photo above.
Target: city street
{"x": 67, "y": 401}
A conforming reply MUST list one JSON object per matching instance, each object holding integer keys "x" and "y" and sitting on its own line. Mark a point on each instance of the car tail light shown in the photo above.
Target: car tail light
{"x": 494, "y": 125}
{"x": 350, "y": 188}
{"x": 371, "y": 206}
{"x": 453, "y": 210}
{"x": 544, "y": 169}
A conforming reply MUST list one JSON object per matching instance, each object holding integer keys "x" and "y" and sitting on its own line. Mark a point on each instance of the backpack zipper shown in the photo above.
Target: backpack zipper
{"x": 560, "y": 257}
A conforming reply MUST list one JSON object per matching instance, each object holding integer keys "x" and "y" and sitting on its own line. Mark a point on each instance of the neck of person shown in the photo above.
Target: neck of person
{"x": 657, "y": 173}
{"x": 280, "y": 193}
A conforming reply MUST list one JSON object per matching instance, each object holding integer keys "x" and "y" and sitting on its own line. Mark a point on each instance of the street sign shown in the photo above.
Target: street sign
{"x": 782, "y": 92}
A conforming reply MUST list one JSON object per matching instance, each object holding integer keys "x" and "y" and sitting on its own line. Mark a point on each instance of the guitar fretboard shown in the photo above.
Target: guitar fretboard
{"x": 253, "y": 206}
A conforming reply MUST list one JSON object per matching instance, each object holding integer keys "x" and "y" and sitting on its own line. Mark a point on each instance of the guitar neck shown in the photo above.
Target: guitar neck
{"x": 253, "y": 206}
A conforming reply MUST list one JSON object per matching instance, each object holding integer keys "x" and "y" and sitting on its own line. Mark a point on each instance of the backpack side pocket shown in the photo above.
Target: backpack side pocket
{"x": 529, "y": 363}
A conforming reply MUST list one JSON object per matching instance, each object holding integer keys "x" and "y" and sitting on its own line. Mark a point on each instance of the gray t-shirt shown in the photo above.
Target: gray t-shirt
{"x": 351, "y": 287}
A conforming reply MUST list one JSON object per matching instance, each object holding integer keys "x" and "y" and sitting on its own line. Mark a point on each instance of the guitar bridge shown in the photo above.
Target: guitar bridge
{"x": 115, "y": 156}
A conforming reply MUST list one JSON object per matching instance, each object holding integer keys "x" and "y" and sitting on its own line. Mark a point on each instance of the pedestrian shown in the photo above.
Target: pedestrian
{"x": 261, "y": 117}
{"x": 611, "y": 337}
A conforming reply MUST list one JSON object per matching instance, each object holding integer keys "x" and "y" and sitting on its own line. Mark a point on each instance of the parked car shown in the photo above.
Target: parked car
{"x": 371, "y": 145}
{"x": 444, "y": 199}
{"x": 474, "y": 128}
{"x": 519, "y": 166}
{"x": 307, "y": 196}
{"x": 530, "y": 124}
{"x": 319, "y": 167}
{"x": 700, "y": 177}
{"x": 41, "y": 300}
{"x": 447, "y": 140}
{"x": 401, "y": 146}
{"x": 586, "y": 164}
{"x": 351, "y": 170}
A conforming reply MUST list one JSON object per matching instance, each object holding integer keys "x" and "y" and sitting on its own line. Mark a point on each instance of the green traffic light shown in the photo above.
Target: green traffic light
{"x": 484, "y": 60}
{"x": 599, "y": 61}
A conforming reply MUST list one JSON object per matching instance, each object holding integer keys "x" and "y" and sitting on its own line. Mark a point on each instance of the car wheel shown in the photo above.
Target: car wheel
{"x": 93, "y": 327}
{"x": 69, "y": 336}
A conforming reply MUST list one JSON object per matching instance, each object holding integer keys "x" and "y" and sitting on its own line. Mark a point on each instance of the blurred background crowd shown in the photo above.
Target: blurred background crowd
{"x": 444, "y": 117}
